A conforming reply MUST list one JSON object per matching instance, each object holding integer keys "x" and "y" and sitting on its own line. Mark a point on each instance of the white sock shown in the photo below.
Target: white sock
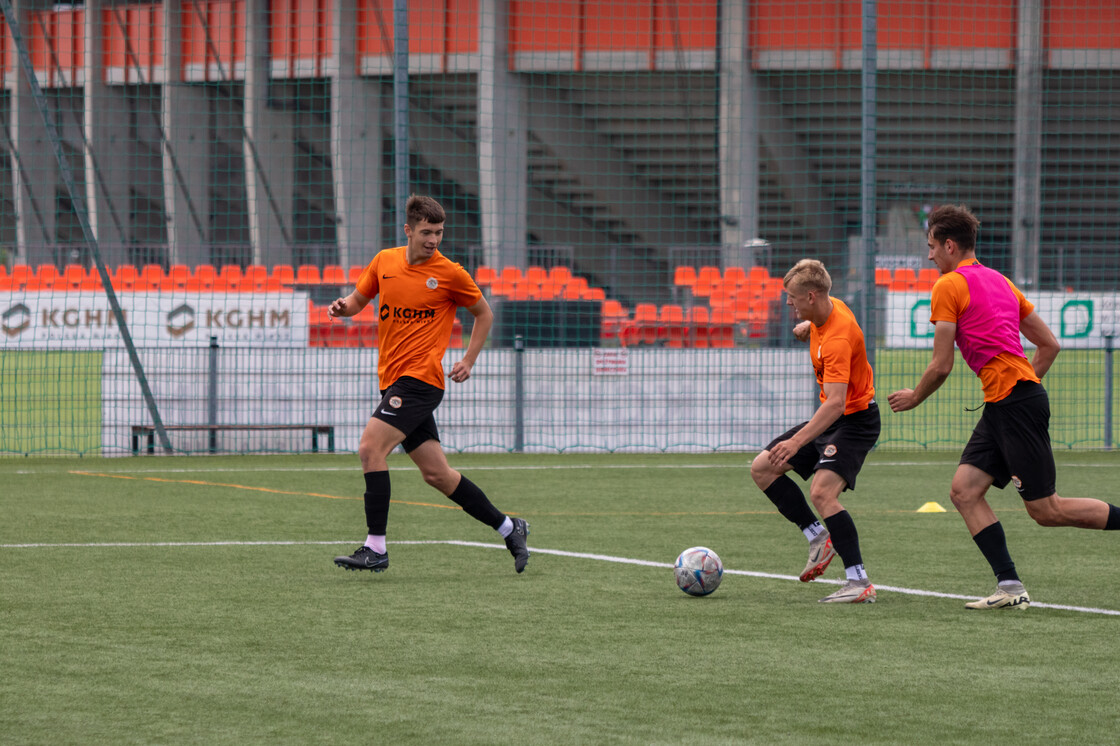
{"x": 1009, "y": 583}
{"x": 813, "y": 531}
{"x": 376, "y": 543}
{"x": 856, "y": 572}
{"x": 506, "y": 528}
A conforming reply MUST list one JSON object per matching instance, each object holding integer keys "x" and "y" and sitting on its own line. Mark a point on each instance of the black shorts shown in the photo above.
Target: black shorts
{"x": 1011, "y": 442}
{"x": 841, "y": 448}
{"x": 409, "y": 405}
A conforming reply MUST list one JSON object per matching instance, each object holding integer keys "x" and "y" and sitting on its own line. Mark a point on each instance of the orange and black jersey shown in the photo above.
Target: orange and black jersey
{"x": 416, "y": 306}
{"x": 840, "y": 356}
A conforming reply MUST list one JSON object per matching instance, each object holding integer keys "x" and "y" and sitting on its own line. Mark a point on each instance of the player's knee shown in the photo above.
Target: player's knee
{"x": 443, "y": 480}
{"x": 962, "y": 497}
{"x": 1043, "y": 515}
{"x": 824, "y": 502}
{"x": 1050, "y": 513}
{"x": 762, "y": 471}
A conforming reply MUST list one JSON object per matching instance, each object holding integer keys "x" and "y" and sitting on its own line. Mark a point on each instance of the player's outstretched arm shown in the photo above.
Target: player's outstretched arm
{"x": 351, "y": 305}
{"x": 939, "y": 368}
{"x": 483, "y": 322}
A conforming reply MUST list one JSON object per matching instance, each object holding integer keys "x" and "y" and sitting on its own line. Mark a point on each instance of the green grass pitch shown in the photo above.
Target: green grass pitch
{"x": 193, "y": 600}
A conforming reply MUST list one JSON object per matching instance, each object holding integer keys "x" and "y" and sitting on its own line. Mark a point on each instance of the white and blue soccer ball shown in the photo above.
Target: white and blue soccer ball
{"x": 698, "y": 570}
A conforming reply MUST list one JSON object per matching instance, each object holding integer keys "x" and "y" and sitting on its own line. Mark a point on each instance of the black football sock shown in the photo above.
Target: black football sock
{"x": 845, "y": 538}
{"x": 790, "y": 502}
{"x": 377, "y": 501}
{"x": 476, "y": 504}
{"x": 993, "y": 545}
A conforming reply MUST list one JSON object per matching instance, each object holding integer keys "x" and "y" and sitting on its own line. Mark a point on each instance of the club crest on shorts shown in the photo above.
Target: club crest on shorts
{"x": 1017, "y": 482}
{"x": 395, "y": 402}
{"x": 432, "y": 283}
{"x": 830, "y": 450}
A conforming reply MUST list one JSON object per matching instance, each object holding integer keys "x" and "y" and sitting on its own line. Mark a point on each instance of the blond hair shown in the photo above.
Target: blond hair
{"x": 810, "y": 275}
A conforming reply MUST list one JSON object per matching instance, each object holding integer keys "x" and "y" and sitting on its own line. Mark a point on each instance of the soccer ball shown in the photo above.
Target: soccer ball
{"x": 698, "y": 571}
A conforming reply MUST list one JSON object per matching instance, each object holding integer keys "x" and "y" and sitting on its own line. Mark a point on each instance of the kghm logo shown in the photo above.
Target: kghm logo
{"x": 15, "y": 320}
{"x": 180, "y": 320}
{"x": 414, "y": 314}
{"x": 406, "y": 314}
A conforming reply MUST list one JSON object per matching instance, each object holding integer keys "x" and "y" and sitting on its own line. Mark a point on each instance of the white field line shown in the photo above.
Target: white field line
{"x": 505, "y": 467}
{"x": 536, "y": 550}
{"x": 744, "y": 464}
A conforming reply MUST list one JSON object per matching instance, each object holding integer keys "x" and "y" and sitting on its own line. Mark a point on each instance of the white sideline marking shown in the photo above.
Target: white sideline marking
{"x": 536, "y": 550}
{"x": 745, "y": 464}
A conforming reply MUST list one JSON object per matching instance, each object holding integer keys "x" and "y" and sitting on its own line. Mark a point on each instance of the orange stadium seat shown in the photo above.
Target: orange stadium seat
{"x": 47, "y": 276}
{"x": 575, "y": 289}
{"x": 485, "y": 276}
{"x": 203, "y": 279}
{"x": 456, "y": 342}
{"x": 707, "y": 279}
{"x": 535, "y": 274}
{"x": 594, "y": 293}
{"x": 645, "y": 319}
{"x": 176, "y": 278}
{"x": 882, "y": 277}
{"x": 684, "y": 277}
{"x": 124, "y": 278}
{"x": 722, "y": 329}
{"x": 361, "y": 335}
{"x": 500, "y": 288}
{"x": 926, "y": 277}
{"x": 355, "y": 274}
{"x": 254, "y": 278}
{"x": 229, "y": 278}
{"x": 560, "y": 275}
{"x": 699, "y": 320}
{"x": 904, "y": 279}
{"x": 671, "y": 320}
{"x": 307, "y": 274}
{"x": 282, "y": 275}
{"x": 72, "y": 278}
{"x": 19, "y": 276}
{"x": 614, "y": 317}
{"x": 333, "y": 274}
{"x": 150, "y": 279}
{"x": 734, "y": 277}
{"x": 548, "y": 290}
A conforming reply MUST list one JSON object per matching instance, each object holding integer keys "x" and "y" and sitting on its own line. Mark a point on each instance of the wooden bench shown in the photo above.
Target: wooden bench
{"x": 149, "y": 431}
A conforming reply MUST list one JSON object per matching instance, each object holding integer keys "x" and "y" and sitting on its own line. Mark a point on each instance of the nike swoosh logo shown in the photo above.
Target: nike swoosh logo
{"x": 827, "y": 460}
{"x": 391, "y": 414}
{"x": 387, "y": 277}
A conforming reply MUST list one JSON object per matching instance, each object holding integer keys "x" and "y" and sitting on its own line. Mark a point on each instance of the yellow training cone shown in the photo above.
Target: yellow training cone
{"x": 931, "y": 507}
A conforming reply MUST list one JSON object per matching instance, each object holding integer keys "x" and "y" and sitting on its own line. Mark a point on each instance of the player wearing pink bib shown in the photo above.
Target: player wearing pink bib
{"x": 983, "y": 313}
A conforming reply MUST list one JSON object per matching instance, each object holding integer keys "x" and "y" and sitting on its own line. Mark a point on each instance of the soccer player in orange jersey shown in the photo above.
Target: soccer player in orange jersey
{"x": 833, "y": 444}
{"x": 983, "y": 313}
{"x": 418, "y": 291}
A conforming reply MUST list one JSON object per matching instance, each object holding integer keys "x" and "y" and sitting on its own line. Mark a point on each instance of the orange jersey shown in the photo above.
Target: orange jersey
{"x": 948, "y": 300}
{"x": 840, "y": 356}
{"x": 416, "y": 310}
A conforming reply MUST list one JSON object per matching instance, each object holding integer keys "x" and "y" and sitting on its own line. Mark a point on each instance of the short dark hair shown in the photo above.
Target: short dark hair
{"x": 956, "y": 222}
{"x": 420, "y": 209}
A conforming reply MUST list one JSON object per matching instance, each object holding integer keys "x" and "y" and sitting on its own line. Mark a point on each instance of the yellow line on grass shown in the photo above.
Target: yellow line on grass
{"x": 251, "y": 488}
